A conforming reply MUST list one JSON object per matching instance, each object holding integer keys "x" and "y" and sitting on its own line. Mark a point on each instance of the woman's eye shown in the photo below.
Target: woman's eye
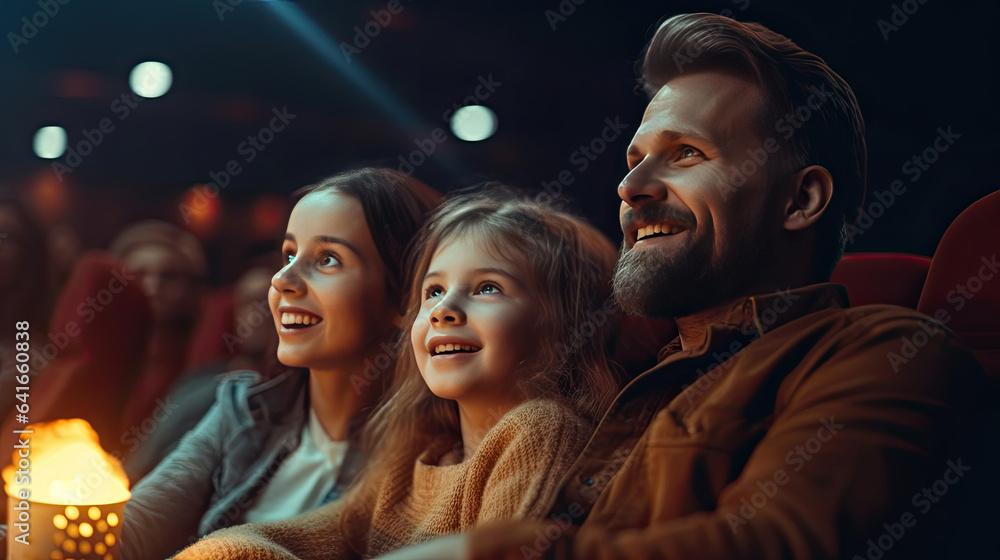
{"x": 327, "y": 259}
{"x": 489, "y": 288}
{"x": 433, "y": 292}
{"x": 289, "y": 257}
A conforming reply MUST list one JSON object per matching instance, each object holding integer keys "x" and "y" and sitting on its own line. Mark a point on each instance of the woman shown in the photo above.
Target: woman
{"x": 270, "y": 450}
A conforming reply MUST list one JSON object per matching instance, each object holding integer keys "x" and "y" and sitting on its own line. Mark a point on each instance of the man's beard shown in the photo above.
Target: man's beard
{"x": 653, "y": 283}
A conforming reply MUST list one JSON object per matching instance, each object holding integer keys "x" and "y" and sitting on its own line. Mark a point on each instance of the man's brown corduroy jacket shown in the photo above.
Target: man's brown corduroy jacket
{"x": 802, "y": 428}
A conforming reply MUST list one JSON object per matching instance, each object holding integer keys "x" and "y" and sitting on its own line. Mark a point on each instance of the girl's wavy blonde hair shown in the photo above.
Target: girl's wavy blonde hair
{"x": 568, "y": 263}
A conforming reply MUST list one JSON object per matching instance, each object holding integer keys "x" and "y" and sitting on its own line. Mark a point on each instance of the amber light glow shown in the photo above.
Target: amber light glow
{"x": 68, "y": 466}
{"x": 75, "y": 490}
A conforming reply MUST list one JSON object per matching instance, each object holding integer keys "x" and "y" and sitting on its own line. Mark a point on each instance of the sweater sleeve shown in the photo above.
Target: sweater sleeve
{"x": 163, "y": 513}
{"x": 545, "y": 439}
{"x": 309, "y": 536}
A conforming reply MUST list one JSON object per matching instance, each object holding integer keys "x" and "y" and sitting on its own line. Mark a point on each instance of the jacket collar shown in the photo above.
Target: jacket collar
{"x": 763, "y": 313}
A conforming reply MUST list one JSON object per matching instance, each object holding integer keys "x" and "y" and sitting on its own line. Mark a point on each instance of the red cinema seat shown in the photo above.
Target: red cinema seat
{"x": 208, "y": 344}
{"x": 963, "y": 284}
{"x": 888, "y": 278}
{"x": 97, "y": 340}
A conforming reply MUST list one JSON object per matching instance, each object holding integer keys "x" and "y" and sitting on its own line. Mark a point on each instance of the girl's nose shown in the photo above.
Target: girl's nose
{"x": 447, "y": 312}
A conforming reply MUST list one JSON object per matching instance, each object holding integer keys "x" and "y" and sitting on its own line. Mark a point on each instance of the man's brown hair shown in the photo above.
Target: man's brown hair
{"x": 830, "y": 130}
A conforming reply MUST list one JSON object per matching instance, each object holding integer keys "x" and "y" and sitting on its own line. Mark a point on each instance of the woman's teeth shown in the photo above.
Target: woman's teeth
{"x": 442, "y": 348}
{"x": 289, "y": 319}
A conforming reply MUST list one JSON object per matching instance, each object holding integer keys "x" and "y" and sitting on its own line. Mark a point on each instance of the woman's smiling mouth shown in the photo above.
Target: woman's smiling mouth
{"x": 294, "y": 320}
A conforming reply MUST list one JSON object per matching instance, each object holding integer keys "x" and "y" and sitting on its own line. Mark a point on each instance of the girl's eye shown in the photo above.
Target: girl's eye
{"x": 433, "y": 292}
{"x": 327, "y": 260}
{"x": 489, "y": 288}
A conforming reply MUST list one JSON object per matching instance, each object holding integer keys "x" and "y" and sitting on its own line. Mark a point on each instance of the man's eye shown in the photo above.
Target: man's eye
{"x": 688, "y": 151}
{"x": 433, "y": 292}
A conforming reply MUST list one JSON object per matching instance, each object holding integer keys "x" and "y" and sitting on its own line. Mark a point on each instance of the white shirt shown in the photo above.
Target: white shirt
{"x": 304, "y": 479}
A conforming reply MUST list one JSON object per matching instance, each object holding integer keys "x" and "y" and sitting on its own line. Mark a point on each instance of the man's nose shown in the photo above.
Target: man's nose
{"x": 641, "y": 185}
{"x": 447, "y": 312}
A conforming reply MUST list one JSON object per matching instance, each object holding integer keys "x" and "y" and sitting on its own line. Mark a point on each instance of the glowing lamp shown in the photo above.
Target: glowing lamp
{"x": 65, "y": 495}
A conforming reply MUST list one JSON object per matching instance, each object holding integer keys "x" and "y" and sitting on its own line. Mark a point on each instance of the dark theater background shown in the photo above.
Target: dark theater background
{"x": 375, "y": 83}
{"x": 209, "y": 114}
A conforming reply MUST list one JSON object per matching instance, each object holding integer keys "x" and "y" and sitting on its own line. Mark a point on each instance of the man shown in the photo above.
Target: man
{"x": 777, "y": 425}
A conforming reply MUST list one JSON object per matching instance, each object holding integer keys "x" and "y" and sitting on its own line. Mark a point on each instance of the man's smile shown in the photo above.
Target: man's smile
{"x": 658, "y": 230}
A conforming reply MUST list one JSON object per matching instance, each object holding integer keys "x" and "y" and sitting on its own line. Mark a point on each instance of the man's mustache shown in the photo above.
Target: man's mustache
{"x": 654, "y": 213}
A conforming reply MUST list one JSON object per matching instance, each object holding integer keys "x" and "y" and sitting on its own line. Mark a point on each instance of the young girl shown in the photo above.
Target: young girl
{"x": 270, "y": 449}
{"x": 489, "y": 407}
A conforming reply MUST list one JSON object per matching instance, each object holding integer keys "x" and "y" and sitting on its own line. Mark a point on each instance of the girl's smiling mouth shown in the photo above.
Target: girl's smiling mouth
{"x": 446, "y": 346}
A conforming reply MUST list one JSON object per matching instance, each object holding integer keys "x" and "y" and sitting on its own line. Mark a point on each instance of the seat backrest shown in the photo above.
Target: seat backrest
{"x": 963, "y": 284}
{"x": 97, "y": 341}
{"x": 208, "y": 343}
{"x": 892, "y": 278}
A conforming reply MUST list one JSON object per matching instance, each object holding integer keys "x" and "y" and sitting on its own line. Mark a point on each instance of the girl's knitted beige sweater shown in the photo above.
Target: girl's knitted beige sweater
{"x": 514, "y": 474}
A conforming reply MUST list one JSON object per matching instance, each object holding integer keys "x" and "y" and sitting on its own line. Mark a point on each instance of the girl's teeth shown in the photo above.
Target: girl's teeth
{"x": 441, "y": 348}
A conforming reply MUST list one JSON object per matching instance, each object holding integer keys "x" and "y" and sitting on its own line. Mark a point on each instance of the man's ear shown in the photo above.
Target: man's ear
{"x": 811, "y": 190}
